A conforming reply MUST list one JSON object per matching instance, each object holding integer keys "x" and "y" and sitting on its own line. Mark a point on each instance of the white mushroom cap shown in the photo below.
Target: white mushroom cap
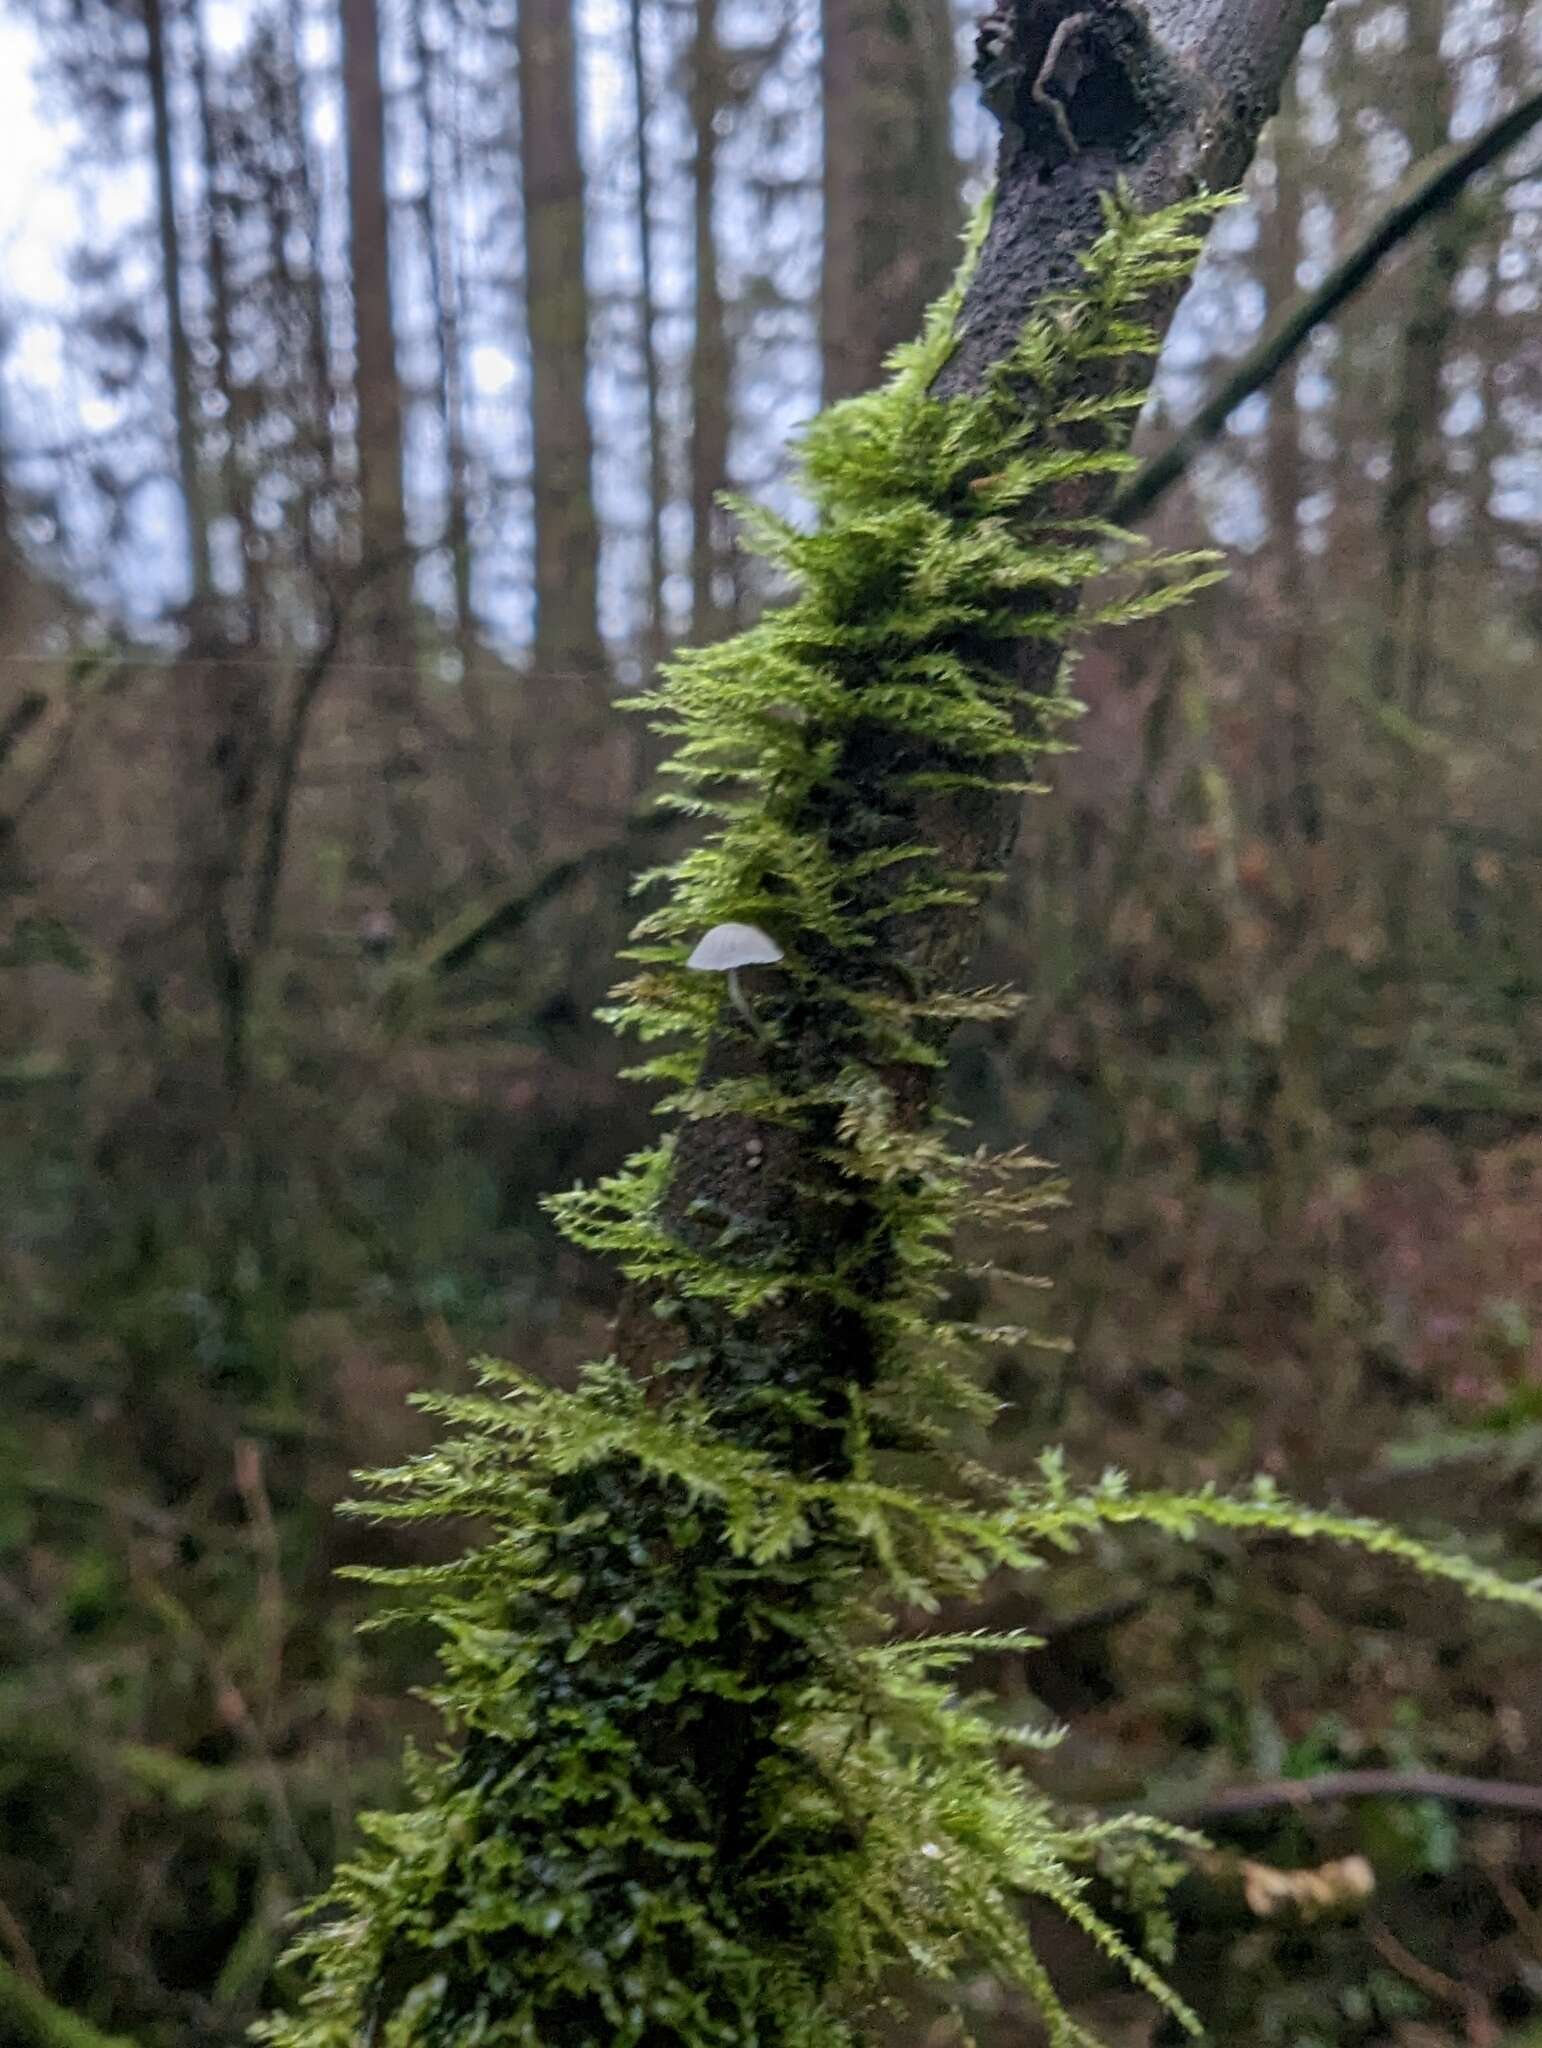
{"x": 728, "y": 946}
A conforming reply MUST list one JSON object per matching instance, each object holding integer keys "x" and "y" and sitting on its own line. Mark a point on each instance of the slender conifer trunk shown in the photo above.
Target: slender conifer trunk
{"x": 891, "y": 199}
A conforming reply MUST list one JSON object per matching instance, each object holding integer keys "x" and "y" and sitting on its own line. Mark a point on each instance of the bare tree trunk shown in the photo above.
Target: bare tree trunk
{"x": 1490, "y": 446}
{"x": 1402, "y": 652}
{"x": 891, "y": 182}
{"x": 216, "y": 231}
{"x": 1414, "y": 427}
{"x": 568, "y": 651}
{"x": 647, "y": 319}
{"x": 184, "y": 411}
{"x": 303, "y": 213}
{"x": 24, "y": 706}
{"x": 385, "y": 638}
{"x": 1492, "y": 438}
{"x": 711, "y": 366}
{"x": 441, "y": 182}
{"x": 1297, "y": 805}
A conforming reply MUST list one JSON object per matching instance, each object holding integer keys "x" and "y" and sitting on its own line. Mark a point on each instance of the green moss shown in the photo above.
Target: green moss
{"x": 699, "y": 1798}
{"x": 29, "y": 2020}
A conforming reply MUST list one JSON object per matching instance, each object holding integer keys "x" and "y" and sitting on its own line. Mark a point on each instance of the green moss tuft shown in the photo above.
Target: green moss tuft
{"x": 700, "y": 1802}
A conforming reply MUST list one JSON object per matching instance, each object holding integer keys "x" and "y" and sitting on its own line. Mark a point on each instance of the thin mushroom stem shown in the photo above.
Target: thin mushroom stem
{"x": 741, "y": 1003}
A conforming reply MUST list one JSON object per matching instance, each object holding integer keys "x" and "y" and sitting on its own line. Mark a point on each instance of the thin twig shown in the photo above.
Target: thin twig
{"x": 233, "y": 1708}
{"x": 1433, "y": 186}
{"x": 500, "y": 917}
{"x": 1491, "y": 1795}
{"x": 1040, "y": 93}
{"x": 1481, "y": 2029}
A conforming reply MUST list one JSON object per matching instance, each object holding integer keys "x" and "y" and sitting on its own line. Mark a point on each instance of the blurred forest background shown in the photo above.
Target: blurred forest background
{"x": 367, "y": 390}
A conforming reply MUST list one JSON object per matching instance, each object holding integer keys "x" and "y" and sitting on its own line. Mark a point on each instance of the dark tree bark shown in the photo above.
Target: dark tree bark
{"x": 215, "y": 152}
{"x": 1415, "y": 427}
{"x": 891, "y": 196}
{"x": 567, "y": 547}
{"x": 436, "y": 226}
{"x": 23, "y": 705}
{"x": 302, "y": 213}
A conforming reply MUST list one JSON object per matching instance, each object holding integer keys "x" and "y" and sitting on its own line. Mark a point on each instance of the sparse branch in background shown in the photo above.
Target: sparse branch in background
{"x": 1489, "y": 1795}
{"x": 503, "y": 915}
{"x": 1432, "y": 187}
{"x": 115, "y": 672}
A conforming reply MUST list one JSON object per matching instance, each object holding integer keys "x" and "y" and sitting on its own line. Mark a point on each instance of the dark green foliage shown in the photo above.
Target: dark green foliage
{"x": 704, "y": 1796}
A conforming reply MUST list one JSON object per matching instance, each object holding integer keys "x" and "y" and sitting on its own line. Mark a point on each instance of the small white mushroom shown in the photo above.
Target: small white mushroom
{"x": 727, "y": 948}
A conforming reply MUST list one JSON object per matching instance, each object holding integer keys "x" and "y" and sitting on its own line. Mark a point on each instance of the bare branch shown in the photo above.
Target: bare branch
{"x": 1490, "y": 1795}
{"x": 501, "y": 916}
{"x": 1433, "y": 186}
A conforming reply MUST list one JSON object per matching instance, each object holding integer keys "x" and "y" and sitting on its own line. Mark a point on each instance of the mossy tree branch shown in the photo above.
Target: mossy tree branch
{"x": 1168, "y": 104}
{"x": 701, "y": 1801}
